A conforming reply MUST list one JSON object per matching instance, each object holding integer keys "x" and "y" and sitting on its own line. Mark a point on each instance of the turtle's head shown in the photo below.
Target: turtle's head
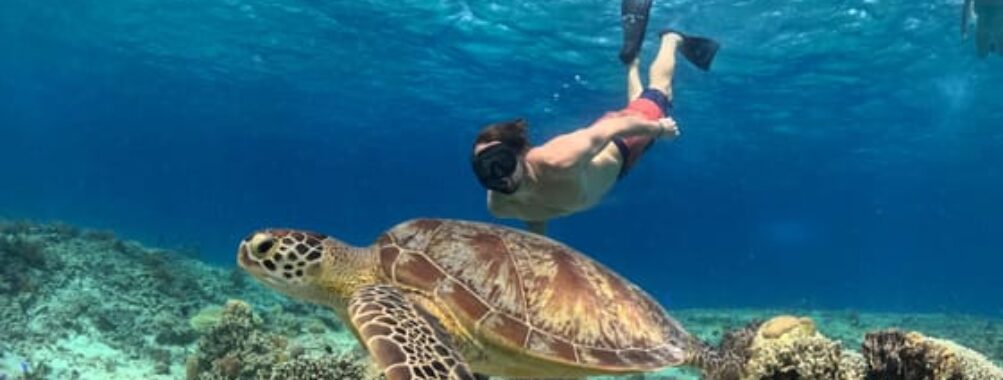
{"x": 301, "y": 264}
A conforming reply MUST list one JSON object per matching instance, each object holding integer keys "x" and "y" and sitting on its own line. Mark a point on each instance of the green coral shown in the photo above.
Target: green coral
{"x": 206, "y": 318}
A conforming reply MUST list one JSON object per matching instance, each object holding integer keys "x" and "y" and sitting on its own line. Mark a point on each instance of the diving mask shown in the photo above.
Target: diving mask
{"x": 499, "y": 168}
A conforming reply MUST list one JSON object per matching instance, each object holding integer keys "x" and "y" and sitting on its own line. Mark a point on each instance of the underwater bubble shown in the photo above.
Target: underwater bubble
{"x": 858, "y": 13}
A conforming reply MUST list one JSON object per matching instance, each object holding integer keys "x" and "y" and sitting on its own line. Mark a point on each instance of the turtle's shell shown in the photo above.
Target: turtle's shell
{"x": 533, "y": 295}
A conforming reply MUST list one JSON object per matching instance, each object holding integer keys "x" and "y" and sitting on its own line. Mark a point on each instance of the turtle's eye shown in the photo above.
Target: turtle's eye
{"x": 261, "y": 244}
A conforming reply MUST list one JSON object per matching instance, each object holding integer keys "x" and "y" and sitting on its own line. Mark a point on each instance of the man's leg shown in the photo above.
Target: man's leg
{"x": 997, "y": 26}
{"x": 988, "y": 28}
{"x": 983, "y": 37}
{"x": 634, "y": 85}
{"x": 656, "y": 98}
{"x": 664, "y": 66}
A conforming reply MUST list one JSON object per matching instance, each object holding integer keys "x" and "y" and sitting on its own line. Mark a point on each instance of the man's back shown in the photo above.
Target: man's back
{"x": 552, "y": 191}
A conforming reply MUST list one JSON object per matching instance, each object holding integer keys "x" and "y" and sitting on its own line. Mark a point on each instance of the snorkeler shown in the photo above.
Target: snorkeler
{"x": 572, "y": 172}
{"x": 988, "y": 25}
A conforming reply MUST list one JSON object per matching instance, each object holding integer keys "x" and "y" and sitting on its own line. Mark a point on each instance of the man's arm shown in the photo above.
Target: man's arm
{"x": 580, "y": 146}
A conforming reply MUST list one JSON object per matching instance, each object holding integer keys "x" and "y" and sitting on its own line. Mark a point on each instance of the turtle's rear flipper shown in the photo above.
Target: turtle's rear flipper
{"x": 634, "y": 18}
{"x": 700, "y": 51}
{"x": 406, "y": 342}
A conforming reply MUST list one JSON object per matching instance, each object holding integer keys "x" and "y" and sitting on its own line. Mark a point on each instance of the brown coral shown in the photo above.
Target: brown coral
{"x": 236, "y": 347}
{"x": 898, "y": 355}
{"x": 788, "y": 347}
{"x": 780, "y": 325}
{"x": 727, "y": 360}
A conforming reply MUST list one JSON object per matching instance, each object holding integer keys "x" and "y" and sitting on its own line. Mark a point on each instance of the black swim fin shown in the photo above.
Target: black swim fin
{"x": 700, "y": 51}
{"x": 634, "y": 19}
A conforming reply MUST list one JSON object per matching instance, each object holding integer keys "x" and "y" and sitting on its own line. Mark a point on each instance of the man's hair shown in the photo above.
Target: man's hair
{"x": 512, "y": 133}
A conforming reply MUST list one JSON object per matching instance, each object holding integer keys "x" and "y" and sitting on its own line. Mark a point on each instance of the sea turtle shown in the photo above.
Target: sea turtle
{"x": 443, "y": 299}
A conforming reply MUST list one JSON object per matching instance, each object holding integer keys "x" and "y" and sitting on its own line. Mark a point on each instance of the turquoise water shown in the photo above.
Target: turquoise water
{"x": 841, "y": 154}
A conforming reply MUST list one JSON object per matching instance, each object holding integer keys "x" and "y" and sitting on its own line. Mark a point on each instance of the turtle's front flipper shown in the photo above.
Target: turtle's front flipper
{"x": 405, "y": 341}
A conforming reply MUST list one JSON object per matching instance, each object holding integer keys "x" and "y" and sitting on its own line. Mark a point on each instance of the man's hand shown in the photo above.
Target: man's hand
{"x": 669, "y": 128}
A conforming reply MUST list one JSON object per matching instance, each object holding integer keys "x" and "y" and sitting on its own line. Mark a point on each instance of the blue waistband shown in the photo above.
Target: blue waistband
{"x": 659, "y": 98}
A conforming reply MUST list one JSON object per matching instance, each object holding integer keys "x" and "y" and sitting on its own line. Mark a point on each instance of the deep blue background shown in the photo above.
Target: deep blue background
{"x": 841, "y": 154}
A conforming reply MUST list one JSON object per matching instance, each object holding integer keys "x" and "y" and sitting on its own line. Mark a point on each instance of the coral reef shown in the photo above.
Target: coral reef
{"x": 238, "y": 347}
{"x": 64, "y": 289}
{"x": 23, "y": 257}
{"x": 899, "y": 355}
{"x": 206, "y": 318}
{"x": 782, "y": 325}
{"x": 727, "y": 360}
{"x": 782, "y": 348}
{"x": 76, "y": 269}
{"x": 787, "y": 347}
{"x": 82, "y": 304}
{"x": 790, "y": 348}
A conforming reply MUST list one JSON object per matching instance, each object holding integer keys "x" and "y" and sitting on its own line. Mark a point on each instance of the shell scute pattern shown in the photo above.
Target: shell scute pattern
{"x": 413, "y": 235}
{"x": 481, "y": 262}
{"x": 533, "y": 293}
{"x": 418, "y": 271}
{"x": 578, "y": 298}
{"x": 514, "y": 332}
{"x": 462, "y": 300}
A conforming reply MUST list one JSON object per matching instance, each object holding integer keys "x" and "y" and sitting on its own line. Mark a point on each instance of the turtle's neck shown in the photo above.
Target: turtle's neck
{"x": 345, "y": 269}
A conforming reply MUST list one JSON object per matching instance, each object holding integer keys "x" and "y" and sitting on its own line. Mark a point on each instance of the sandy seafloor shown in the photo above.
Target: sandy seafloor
{"x": 81, "y": 304}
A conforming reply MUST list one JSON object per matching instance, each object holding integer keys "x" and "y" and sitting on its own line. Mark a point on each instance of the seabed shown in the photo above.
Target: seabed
{"x": 83, "y": 304}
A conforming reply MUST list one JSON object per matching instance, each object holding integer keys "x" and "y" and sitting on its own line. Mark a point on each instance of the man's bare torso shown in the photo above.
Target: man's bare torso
{"x": 551, "y": 192}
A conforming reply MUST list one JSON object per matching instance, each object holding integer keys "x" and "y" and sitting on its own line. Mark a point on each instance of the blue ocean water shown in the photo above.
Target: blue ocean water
{"x": 840, "y": 154}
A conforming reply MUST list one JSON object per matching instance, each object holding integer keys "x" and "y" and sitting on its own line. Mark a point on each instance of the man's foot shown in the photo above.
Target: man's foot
{"x": 700, "y": 51}
{"x": 634, "y": 19}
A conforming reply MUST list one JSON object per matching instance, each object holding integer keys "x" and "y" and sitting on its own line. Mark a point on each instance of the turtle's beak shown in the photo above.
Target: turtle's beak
{"x": 244, "y": 257}
{"x": 256, "y": 248}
